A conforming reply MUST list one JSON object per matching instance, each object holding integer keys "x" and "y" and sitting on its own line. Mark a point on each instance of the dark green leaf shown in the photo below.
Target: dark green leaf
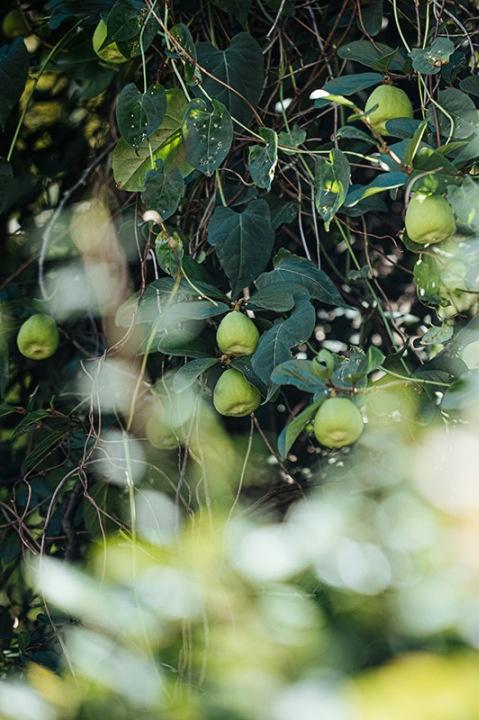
{"x": 275, "y": 344}
{"x": 293, "y": 430}
{"x": 298, "y": 373}
{"x": 403, "y": 127}
{"x": 462, "y": 110}
{"x": 13, "y": 76}
{"x": 292, "y": 138}
{"x": 351, "y": 84}
{"x": 381, "y": 183}
{"x": 139, "y": 114}
{"x": 301, "y": 275}
{"x": 243, "y": 242}
{"x": 262, "y": 159}
{"x": 240, "y": 68}
{"x": 189, "y": 373}
{"x": 183, "y": 343}
{"x": 278, "y": 297}
{"x": 208, "y": 134}
{"x": 163, "y": 190}
{"x": 377, "y": 56}
{"x": 371, "y": 18}
{"x": 429, "y": 61}
{"x": 470, "y": 85}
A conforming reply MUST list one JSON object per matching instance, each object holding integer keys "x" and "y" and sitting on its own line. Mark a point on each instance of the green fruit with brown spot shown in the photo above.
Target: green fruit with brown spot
{"x": 387, "y": 103}
{"x": 38, "y": 337}
{"x": 234, "y": 396}
{"x": 237, "y": 334}
{"x": 338, "y": 422}
{"x": 109, "y": 53}
{"x": 429, "y": 219}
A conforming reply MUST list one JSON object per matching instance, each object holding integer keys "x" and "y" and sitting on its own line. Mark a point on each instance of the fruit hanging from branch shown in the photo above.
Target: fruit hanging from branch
{"x": 234, "y": 395}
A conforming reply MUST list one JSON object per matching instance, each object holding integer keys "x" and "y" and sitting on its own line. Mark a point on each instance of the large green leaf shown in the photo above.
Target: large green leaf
{"x": 131, "y": 166}
{"x": 127, "y": 21}
{"x": 163, "y": 190}
{"x": 208, "y": 134}
{"x": 262, "y": 159}
{"x": 430, "y": 60}
{"x": 293, "y": 430}
{"x": 298, "y": 373}
{"x": 275, "y": 344}
{"x": 13, "y": 76}
{"x": 240, "y": 67}
{"x": 377, "y": 56}
{"x": 331, "y": 181}
{"x": 381, "y": 183}
{"x": 461, "y": 109}
{"x": 299, "y": 275}
{"x": 243, "y": 242}
{"x": 189, "y": 373}
{"x": 139, "y": 114}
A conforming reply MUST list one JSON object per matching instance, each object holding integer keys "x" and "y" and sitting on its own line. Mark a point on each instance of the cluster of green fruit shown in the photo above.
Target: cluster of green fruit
{"x": 429, "y": 218}
{"x": 337, "y": 423}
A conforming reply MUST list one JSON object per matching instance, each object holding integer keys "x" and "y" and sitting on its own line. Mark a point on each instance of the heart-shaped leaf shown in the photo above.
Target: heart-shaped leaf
{"x": 130, "y": 165}
{"x": 240, "y": 68}
{"x": 208, "y": 134}
{"x": 139, "y": 114}
{"x": 163, "y": 190}
{"x": 243, "y": 242}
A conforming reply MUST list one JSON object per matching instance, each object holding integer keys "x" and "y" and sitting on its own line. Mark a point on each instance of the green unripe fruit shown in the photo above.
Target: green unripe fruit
{"x": 323, "y": 364}
{"x": 111, "y": 52}
{"x": 14, "y": 25}
{"x": 234, "y": 395}
{"x": 159, "y": 434}
{"x": 338, "y": 422}
{"x": 237, "y": 334}
{"x": 429, "y": 219}
{"x": 38, "y": 337}
{"x": 392, "y": 103}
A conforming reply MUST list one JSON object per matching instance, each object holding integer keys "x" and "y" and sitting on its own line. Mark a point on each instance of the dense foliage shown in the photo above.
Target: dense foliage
{"x": 239, "y": 358}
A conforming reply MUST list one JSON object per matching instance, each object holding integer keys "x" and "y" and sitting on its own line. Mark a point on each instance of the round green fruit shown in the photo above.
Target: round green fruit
{"x": 338, "y": 422}
{"x": 237, "y": 334}
{"x": 38, "y": 337}
{"x": 111, "y": 52}
{"x": 159, "y": 433}
{"x": 390, "y": 103}
{"x": 429, "y": 219}
{"x": 323, "y": 364}
{"x": 234, "y": 395}
{"x": 14, "y": 25}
